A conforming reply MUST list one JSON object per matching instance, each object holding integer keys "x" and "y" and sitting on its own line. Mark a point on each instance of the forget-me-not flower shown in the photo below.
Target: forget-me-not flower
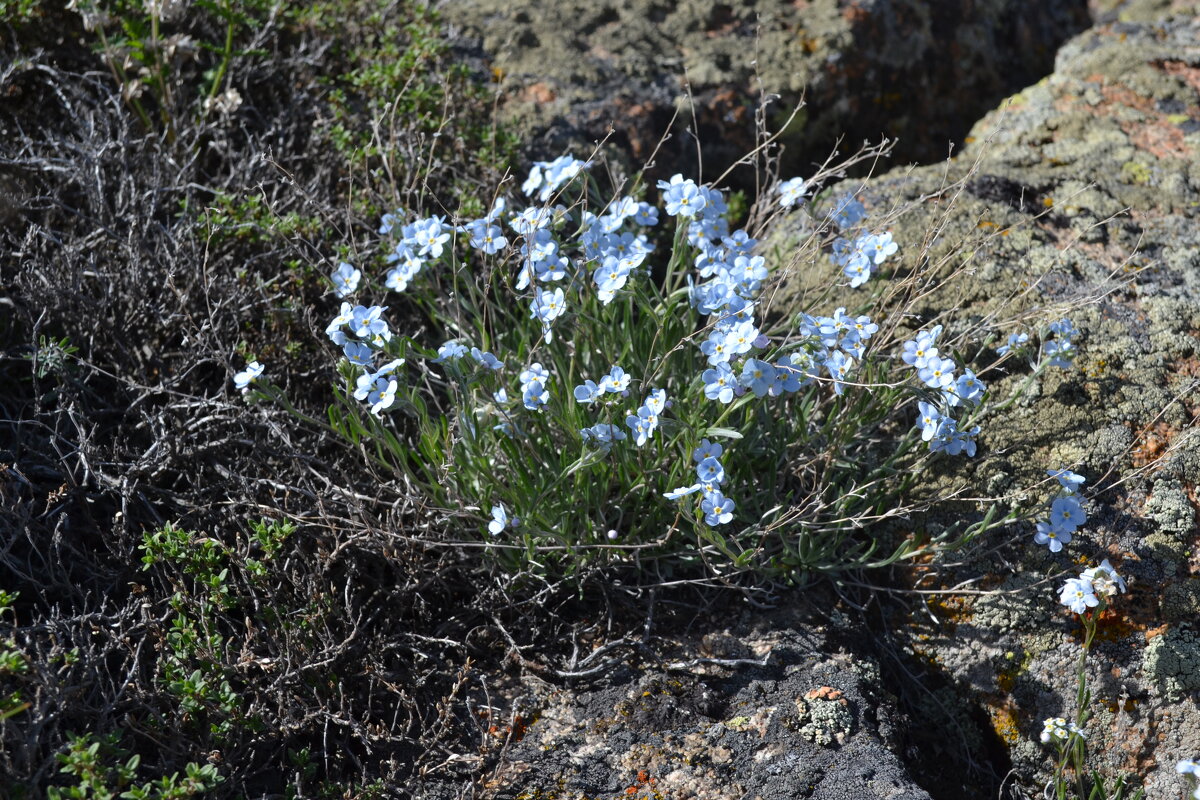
{"x": 450, "y": 351}
{"x": 1066, "y": 514}
{"x": 243, "y": 379}
{"x": 1070, "y": 481}
{"x": 719, "y": 382}
{"x": 1079, "y": 595}
{"x": 717, "y": 508}
{"x": 792, "y": 191}
{"x": 345, "y": 279}
{"x": 1053, "y": 539}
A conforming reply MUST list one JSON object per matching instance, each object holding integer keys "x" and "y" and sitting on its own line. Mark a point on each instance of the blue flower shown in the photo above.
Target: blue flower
{"x": 642, "y": 425}
{"x": 547, "y": 307}
{"x": 950, "y": 440}
{"x": 710, "y": 471}
{"x": 610, "y": 278}
{"x": 795, "y": 371}
{"x": 535, "y": 372}
{"x": 486, "y": 359}
{"x": 1066, "y": 514}
{"x": 930, "y": 420}
{"x": 717, "y": 508}
{"x": 683, "y": 198}
{"x": 792, "y": 191}
{"x": 719, "y": 383}
{"x": 587, "y": 392}
{"x": 390, "y": 221}
{"x": 967, "y": 389}
{"x": 1068, "y": 480}
{"x": 345, "y": 279}
{"x": 847, "y": 211}
{"x": 382, "y": 394}
{"x": 1015, "y": 340}
{"x": 486, "y": 237}
{"x": 715, "y": 348}
{"x": 1062, "y": 353}
{"x": 430, "y": 235}
{"x": 366, "y": 322}
{"x": 858, "y": 272}
{"x": 758, "y": 376}
{"x": 838, "y": 364}
{"x": 1048, "y": 536}
{"x": 676, "y": 494}
{"x": 547, "y": 176}
{"x": 247, "y": 376}
{"x": 603, "y": 435}
{"x": 938, "y": 373}
{"x": 707, "y": 449}
{"x": 656, "y": 401}
{"x": 534, "y": 395}
{"x": 450, "y": 351}
{"x": 646, "y": 215}
{"x": 333, "y": 329}
{"x": 1064, "y": 327}
{"x": 615, "y": 382}
{"x": 401, "y": 275}
{"x": 919, "y": 351}
{"x": 358, "y": 354}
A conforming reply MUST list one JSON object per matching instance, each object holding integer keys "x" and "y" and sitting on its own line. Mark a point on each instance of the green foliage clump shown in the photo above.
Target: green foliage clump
{"x": 103, "y": 770}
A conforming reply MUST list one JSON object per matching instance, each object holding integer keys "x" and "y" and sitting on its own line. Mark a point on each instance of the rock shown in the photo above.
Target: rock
{"x": 921, "y": 71}
{"x": 1078, "y": 197}
{"x": 814, "y": 722}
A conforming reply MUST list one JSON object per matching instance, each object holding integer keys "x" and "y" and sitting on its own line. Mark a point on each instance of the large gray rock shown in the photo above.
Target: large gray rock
{"x": 919, "y": 70}
{"x": 1079, "y": 196}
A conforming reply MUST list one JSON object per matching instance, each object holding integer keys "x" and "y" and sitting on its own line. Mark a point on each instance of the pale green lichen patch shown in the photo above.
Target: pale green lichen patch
{"x": 1171, "y": 510}
{"x": 1171, "y": 663}
{"x": 824, "y": 719}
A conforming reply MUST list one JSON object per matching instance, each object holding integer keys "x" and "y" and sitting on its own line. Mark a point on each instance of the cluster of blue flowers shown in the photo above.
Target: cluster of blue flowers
{"x": 714, "y": 505}
{"x": 611, "y": 248}
{"x": 938, "y": 373}
{"x": 858, "y": 256}
{"x": 362, "y": 332}
{"x": 1061, "y": 349}
{"x": 1066, "y": 512}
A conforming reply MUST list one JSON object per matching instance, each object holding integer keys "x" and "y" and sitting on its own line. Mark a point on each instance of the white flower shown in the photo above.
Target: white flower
{"x": 247, "y": 376}
{"x": 1105, "y": 579}
{"x": 791, "y": 191}
{"x": 1079, "y": 595}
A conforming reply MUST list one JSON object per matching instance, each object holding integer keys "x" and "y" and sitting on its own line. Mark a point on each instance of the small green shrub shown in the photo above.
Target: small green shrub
{"x": 105, "y": 771}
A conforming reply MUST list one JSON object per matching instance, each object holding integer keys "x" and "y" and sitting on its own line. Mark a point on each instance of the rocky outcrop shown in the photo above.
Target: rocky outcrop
{"x": 914, "y": 69}
{"x": 813, "y": 721}
{"x": 1079, "y": 197}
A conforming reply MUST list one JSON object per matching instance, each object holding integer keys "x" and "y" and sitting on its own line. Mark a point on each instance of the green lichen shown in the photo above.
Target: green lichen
{"x": 1181, "y": 601}
{"x": 1171, "y": 510}
{"x": 1011, "y": 609}
{"x": 824, "y": 721}
{"x": 1171, "y": 663}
